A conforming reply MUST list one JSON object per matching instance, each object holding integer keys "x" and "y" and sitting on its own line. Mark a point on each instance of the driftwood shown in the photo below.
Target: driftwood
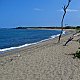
{"x": 70, "y": 39}
{"x": 65, "y": 10}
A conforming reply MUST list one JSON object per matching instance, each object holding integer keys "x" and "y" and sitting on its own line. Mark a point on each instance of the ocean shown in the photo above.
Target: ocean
{"x": 17, "y": 38}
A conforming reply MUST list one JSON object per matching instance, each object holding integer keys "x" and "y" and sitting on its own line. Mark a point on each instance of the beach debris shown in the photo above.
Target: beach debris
{"x": 70, "y": 39}
{"x": 10, "y": 59}
{"x": 4, "y": 62}
{"x": 18, "y": 55}
{"x": 65, "y": 11}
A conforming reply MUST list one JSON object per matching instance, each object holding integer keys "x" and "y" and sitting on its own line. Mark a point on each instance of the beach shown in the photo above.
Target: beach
{"x": 47, "y": 60}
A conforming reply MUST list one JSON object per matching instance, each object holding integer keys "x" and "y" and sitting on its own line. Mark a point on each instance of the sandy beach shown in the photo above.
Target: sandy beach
{"x": 47, "y": 60}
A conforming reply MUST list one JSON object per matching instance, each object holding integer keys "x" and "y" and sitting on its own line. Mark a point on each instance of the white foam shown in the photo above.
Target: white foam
{"x": 54, "y": 36}
{"x": 11, "y": 48}
{"x": 64, "y": 32}
{"x": 14, "y": 47}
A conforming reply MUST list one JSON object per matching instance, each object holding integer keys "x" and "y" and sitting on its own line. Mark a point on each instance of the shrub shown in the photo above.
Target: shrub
{"x": 77, "y": 54}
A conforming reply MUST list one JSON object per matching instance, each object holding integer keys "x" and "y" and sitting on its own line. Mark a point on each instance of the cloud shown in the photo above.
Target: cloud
{"x": 37, "y": 9}
{"x": 69, "y": 10}
{"x": 72, "y": 10}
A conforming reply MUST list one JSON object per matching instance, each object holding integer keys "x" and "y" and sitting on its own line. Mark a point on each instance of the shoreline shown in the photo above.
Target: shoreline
{"x": 7, "y": 52}
{"x": 29, "y": 44}
{"x": 47, "y": 60}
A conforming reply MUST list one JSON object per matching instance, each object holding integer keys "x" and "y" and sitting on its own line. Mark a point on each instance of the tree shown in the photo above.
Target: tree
{"x": 65, "y": 10}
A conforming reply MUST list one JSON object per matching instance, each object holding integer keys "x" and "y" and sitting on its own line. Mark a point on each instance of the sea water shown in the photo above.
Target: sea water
{"x": 17, "y": 38}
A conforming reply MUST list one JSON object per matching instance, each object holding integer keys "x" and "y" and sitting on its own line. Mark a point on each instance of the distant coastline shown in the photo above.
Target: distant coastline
{"x": 67, "y": 27}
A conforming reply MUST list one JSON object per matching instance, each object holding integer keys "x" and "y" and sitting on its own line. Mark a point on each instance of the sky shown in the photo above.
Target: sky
{"x": 14, "y": 13}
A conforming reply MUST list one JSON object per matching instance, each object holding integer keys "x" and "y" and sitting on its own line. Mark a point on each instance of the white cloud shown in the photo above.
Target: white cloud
{"x": 70, "y": 10}
{"x": 37, "y": 9}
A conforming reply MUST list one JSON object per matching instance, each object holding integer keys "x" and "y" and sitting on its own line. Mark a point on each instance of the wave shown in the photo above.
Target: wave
{"x": 54, "y": 36}
{"x": 25, "y": 45}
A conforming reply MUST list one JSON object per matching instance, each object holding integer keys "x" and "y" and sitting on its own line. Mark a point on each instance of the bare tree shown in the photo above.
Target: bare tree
{"x": 65, "y": 10}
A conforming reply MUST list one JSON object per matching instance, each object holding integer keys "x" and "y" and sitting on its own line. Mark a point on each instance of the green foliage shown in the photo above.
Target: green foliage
{"x": 78, "y": 29}
{"x": 79, "y": 48}
{"x": 77, "y": 54}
